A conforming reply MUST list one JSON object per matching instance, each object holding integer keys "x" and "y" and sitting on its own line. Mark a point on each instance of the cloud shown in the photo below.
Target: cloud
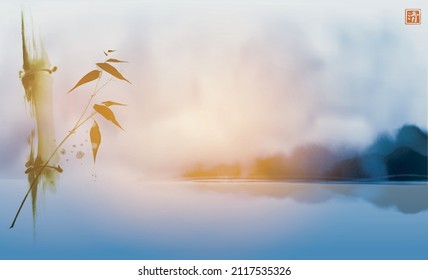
{"x": 229, "y": 82}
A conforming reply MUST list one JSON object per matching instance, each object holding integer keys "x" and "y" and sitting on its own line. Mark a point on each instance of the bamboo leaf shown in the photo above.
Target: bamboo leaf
{"x": 95, "y": 136}
{"x": 107, "y": 113}
{"x": 116, "y": 60}
{"x": 112, "y": 71}
{"x": 93, "y": 75}
{"x": 111, "y": 103}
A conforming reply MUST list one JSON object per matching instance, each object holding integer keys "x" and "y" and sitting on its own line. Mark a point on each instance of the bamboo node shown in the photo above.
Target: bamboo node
{"x": 23, "y": 73}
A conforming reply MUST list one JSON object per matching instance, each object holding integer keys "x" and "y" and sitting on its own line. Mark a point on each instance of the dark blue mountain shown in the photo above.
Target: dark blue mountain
{"x": 405, "y": 164}
{"x": 399, "y": 158}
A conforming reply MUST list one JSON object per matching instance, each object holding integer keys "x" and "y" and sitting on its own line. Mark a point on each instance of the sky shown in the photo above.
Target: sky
{"x": 219, "y": 81}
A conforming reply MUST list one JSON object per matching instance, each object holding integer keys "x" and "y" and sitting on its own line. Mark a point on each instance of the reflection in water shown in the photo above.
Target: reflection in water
{"x": 408, "y": 199}
{"x": 108, "y": 219}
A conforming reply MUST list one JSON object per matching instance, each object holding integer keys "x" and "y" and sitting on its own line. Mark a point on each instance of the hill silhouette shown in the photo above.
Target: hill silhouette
{"x": 399, "y": 157}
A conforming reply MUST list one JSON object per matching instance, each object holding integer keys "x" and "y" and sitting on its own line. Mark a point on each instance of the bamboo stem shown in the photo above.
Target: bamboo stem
{"x": 78, "y": 124}
{"x": 44, "y": 166}
{"x": 38, "y": 90}
{"x": 37, "y": 177}
{"x": 37, "y": 83}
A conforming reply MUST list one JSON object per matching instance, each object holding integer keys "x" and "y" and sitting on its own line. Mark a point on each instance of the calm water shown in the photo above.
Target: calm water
{"x": 213, "y": 220}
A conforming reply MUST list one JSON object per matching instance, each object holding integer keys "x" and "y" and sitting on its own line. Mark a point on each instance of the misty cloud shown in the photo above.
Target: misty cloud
{"x": 219, "y": 82}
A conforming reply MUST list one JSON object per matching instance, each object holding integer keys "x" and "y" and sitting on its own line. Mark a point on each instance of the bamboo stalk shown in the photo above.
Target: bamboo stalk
{"x": 33, "y": 181}
{"x": 37, "y": 81}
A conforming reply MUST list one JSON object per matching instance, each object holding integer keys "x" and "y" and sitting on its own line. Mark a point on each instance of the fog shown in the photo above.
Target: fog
{"x": 220, "y": 82}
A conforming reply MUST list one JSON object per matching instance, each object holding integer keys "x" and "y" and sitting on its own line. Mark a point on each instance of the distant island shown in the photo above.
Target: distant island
{"x": 399, "y": 157}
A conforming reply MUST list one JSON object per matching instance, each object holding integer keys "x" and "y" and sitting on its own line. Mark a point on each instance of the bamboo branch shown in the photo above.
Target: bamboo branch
{"x": 78, "y": 124}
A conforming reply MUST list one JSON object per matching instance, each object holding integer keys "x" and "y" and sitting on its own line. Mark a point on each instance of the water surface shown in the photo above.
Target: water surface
{"x": 217, "y": 220}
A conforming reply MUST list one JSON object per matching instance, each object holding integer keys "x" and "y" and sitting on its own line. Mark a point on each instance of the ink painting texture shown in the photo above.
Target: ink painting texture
{"x": 214, "y": 130}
